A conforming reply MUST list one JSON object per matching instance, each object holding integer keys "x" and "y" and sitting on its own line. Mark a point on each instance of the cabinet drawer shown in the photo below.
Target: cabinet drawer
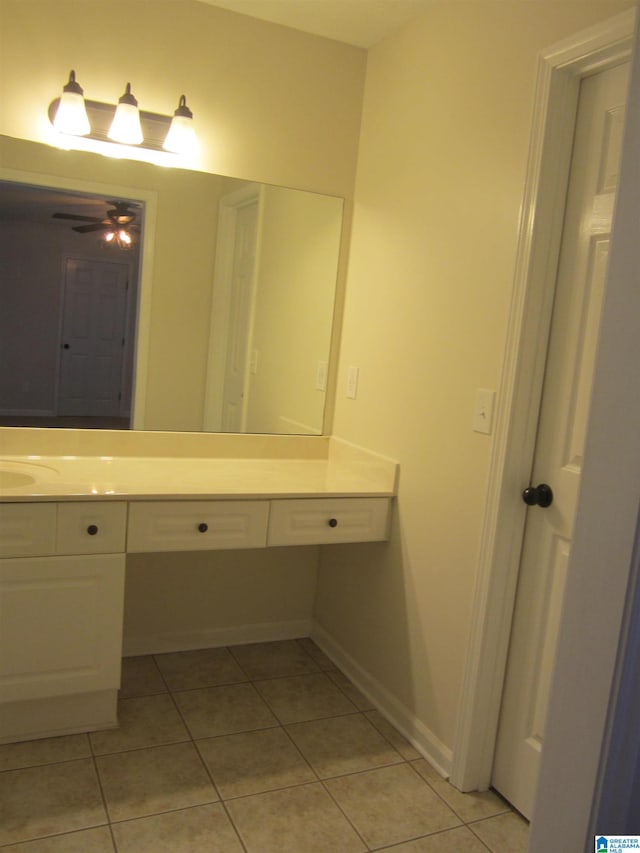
{"x": 197, "y": 525}
{"x": 91, "y": 527}
{"x": 324, "y": 521}
{"x": 28, "y": 529}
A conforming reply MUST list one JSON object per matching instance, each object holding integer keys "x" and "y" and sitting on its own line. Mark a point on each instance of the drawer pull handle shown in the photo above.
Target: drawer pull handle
{"x": 333, "y": 522}
{"x": 202, "y": 527}
{"x": 92, "y": 529}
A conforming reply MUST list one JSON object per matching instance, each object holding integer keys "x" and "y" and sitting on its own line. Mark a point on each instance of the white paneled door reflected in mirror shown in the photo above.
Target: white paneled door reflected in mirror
{"x": 137, "y": 297}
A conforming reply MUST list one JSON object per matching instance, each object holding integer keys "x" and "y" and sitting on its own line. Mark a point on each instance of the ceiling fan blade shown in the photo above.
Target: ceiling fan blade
{"x": 76, "y": 217}
{"x": 87, "y": 229}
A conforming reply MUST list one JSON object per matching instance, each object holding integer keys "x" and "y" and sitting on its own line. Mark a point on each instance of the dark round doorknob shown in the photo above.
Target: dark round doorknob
{"x": 203, "y": 527}
{"x": 92, "y": 529}
{"x": 541, "y": 495}
{"x": 65, "y": 346}
{"x": 333, "y": 522}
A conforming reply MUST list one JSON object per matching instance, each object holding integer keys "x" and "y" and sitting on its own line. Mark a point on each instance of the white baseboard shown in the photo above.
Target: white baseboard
{"x": 236, "y": 635}
{"x": 423, "y": 739}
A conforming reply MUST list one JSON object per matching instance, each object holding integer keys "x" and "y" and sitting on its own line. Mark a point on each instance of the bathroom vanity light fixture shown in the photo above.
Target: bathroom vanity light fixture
{"x": 73, "y": 115}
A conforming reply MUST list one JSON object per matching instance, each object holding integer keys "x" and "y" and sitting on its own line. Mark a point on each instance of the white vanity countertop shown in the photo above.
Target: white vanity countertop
{"x": 343, "y": 474}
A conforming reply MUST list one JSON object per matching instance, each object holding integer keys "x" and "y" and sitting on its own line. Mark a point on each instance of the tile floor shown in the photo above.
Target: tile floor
{"x": 265, "y": 748}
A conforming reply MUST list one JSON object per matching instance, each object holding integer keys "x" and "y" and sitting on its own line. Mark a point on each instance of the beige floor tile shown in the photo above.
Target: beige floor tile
{"x": 391, "y": 805}
{"x": 50, "y": 750}
{"x": 507, "y": 833}
{"x": 459, "y": 840}
{"x": 143, "y": 721}
{"x": 199, "y": 668}
{"x": 40, "y": 801}
{"x": 86, "y": 841}
{"x": 224, "y": 710}
{"x": 304, "y": 697}
{"x": 203, "y": 829}
{"x": 294, "y": 820}
{"x": 472, "y": 806}
{"x": 340, "y": 745}
{"x": 359, "y": 699}
{"x": 324, "y": 662}
{"x": 273, "y": 660}
{"x": 254, "y": 762}
{"x": 149, "y": 781}
{"x": 406, "y": 750}
{"x": 140, "y": 677}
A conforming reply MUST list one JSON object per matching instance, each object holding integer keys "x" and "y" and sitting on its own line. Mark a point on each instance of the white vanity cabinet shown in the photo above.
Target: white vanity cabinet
{"x": 61, "y": 610}
{"x": 62, "y": 569}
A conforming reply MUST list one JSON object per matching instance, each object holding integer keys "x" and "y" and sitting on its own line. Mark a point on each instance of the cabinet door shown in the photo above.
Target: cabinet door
{"x": 60, "y": 625}
{"x": 325, "y": 521}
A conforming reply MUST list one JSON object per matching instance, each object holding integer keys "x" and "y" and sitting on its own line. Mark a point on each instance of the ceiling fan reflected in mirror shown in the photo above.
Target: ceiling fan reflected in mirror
{"x": 117, "y": 227}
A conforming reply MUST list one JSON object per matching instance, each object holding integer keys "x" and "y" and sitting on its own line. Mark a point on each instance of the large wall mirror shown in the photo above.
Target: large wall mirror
{"x": 217, "y": 317}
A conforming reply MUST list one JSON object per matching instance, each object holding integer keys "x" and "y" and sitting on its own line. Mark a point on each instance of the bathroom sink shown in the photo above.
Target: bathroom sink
{"x": 15, "y": 479}
{"x": 16, "y": 475}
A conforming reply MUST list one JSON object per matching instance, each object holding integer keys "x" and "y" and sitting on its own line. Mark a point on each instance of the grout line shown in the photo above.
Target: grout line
{"x": 278, "y": 723}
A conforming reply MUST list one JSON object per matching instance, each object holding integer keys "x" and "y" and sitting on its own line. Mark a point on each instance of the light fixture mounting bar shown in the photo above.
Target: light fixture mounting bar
{"x": 155, "y": 126}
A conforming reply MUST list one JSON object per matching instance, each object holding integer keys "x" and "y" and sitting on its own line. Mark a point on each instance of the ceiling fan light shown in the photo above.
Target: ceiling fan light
{"x": 181, "y": 137}
{"x": 125, "y": 127}
{"x": 71, "y": 116}
{"x": 119, "y": 237}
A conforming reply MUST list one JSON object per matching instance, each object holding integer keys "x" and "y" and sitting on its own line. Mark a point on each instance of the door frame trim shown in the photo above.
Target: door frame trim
{"x": 228, "y": 209}
{"x": 560, "y": 70}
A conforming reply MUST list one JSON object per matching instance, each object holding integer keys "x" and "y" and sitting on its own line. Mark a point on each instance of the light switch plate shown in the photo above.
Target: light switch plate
{"x": 483, "y": 415}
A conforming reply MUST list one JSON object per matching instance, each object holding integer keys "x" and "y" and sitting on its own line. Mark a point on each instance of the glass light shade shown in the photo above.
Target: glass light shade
{"x": 125, "y": 127}
{"x": 181, "y": 137}
{"x": 71, "y": 116}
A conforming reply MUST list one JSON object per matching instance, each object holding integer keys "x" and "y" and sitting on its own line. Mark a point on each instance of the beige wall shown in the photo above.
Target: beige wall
{"x": 296, "y": 269}
{"x": 270, "y": 104}
{"x": 441, "y": 170}
{"x": 217, "y": 598}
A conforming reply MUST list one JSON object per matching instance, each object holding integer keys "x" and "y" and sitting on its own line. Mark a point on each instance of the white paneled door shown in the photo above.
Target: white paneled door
{"x": 561, "y": 433}
{"x": 93, "y": 338}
